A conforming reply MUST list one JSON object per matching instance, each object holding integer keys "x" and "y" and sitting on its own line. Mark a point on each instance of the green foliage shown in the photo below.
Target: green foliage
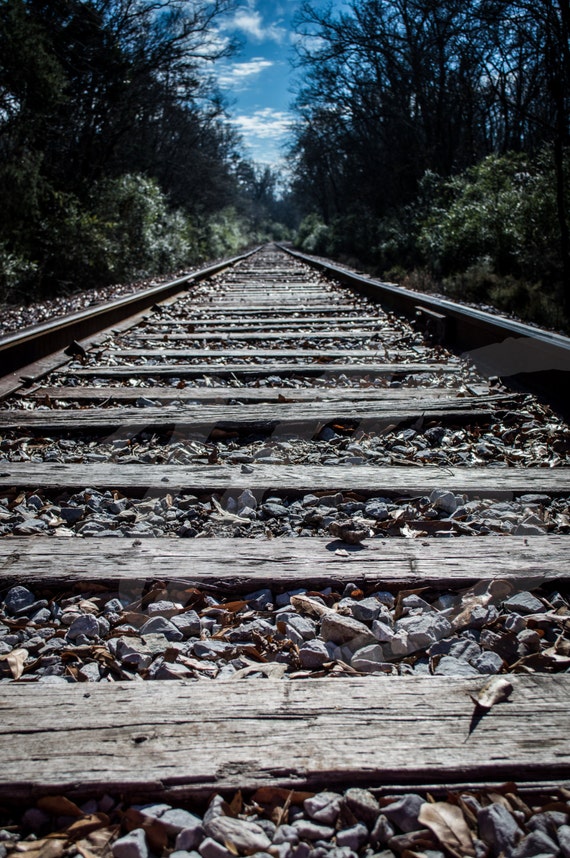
{"x": 140, "y": 234}
{"x": 224, "y": 233}
{"x": 313, "y": 236}
{"x": 15, "y": 273}
{"x": 116, "y": 159}
{"x": 501, "y": 211}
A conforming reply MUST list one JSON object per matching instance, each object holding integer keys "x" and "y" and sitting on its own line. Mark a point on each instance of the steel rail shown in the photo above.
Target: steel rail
{"x": 524, "y": 357}
{"x": 21, "y": 348}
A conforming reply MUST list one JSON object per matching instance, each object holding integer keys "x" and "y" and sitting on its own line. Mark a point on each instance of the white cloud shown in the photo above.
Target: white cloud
{"x": 238, "y": 75}
{"x": 265, "y": 132}
{"x": 250, "y": 22}
{"x": 265, "y": 124}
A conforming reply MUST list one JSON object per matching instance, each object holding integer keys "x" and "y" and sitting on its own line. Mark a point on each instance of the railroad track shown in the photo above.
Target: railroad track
{"x": 325, "y": 530}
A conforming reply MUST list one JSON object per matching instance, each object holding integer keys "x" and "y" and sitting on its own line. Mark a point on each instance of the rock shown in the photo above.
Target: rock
{"x": 261, "y": 600}
{"x": 524, "y": 529}
{"x": 303, "y": 850}
{"x": 35, "y": 819}
{"x": 162, "y": 606}
{"x": 353, "y": 837}
{"x": 246, "y": 501}
{"x": 405, "y": 811}
{"x": 366, "y": 610}
{"x": 176, "y": 821}
{"x": 424, "y": 630}
{"x": 548, "y": 821}
{"x": 162, "y": 626}
{"x": 534, "y": 844}
{"x": 444, "y": 500}
{"x": 563, "y": 835}
{"x": 464, "y": 649}
{"x": 17, "y": 598}
{"x": 90, "y": 672}
{"x": 323, "y": 807}
{"x": 283, "y": 599}
{"x": 72, "y": 514}
{"x": 132, "y": 845}
{"x": 382, "y": 632}
{"x": 245, "y": 836}
{"x": 305, "y": 627}
{"x": 188, "y": 623}
{"x": 376, "y": 509}
{"x": 339, "y": 629}
{"x": 382, "y": 831}
{"x": 362, "y": 804}
{"x": 131, "y": 651}
{"x": 286, "y": 834}
{"x": 274, "y": 510}
{"x": 416, "y": 602}
{"x": 370, "y": 659}
{"x": 210, "y": 848}
{"x": 449, "y": 666}
{"x": 85, "y": 625}
{"x": 524, "y": 603}
{"x": 212, "y": 649}
{"x": 29, "y": 610}
{"x": 184, "y": 853}
{"x": 498, "y": 829}
{"x": 309, "y": 830}
{"x": 340, "y": 852}
{"x": 215, "y": 808}
{"x": 169, "y": 670}
{"x": 488, "y": 662}
{"x": 313, "y": 654}
{"x": 246, "y": 631}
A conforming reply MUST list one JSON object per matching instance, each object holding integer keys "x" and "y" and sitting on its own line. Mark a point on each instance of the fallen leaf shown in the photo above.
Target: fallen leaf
{"x": 496, "y": 690}
{"x": 309, "y": 606}
{"x": 98, "y": 843}
{"x": 58, "y": 805}
{"x": 16, "y": 661}
{"x": 271, "y": 671}
{"x": 48, "y": 847}
{"x": 86, "y": 825}
{"x": 448, "y": 824}
{"x": 409, "y": 532}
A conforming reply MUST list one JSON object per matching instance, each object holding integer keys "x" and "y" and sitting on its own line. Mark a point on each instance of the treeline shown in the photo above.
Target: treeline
{"x": 432, "y": 138}
{"x": 116, "y": 159}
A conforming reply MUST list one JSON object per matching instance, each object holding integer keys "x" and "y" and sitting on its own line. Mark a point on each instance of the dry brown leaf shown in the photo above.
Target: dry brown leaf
{"x": 409, "y": 532}
{"x": 86, "y": 825}
{"x": 87, "y": 606}
{"x": 448, "y": 824}
{"x": 58, "y": 805}
{"x": 97, "y": 844}
{"x": 17, "y": 661}
{"x": 48, "y": 847}
{"x": 496, "y": 690}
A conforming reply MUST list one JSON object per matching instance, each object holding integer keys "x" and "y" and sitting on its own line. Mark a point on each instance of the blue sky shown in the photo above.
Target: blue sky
{"x": 257, "y": 81}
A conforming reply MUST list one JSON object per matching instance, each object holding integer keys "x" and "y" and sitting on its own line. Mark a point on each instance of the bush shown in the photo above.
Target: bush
{"x": 140, "y": 235}
{"x": 313, "y": 235}
{"x": 224, "y": 233}
{"x": 16, "y": 273}
{"x": 499, "y": 215}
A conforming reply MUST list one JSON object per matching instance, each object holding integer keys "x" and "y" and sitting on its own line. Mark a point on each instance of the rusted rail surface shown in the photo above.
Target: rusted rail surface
{"x": 255, "y": 436}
